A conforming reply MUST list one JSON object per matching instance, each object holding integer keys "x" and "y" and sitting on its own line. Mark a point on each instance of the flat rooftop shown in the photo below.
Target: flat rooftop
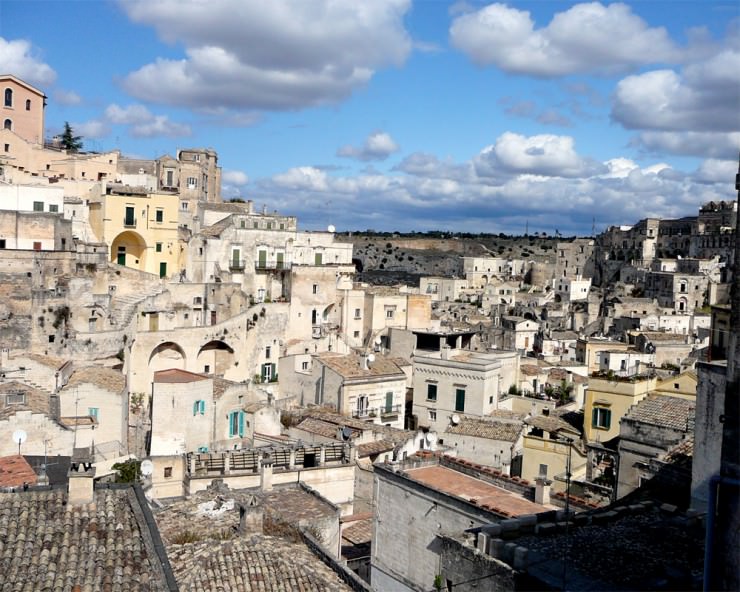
{"x": 469, "y": 488}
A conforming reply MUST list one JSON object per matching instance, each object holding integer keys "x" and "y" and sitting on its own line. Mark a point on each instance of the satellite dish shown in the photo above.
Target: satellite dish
{"x": 147, "y": 467}
{"x": 346, "y": 433}
{"x": 331, "y": 228}
{"x": 19, "y": 437}
{"x": 377, "y": 341}
{"x": 455, "y": 419}
{"x": 431, "y": 438}
{"x": 371, "y": 358}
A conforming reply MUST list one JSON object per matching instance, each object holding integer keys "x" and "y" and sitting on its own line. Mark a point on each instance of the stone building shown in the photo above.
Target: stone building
{"x": 493, "y": 441}
{"x": 713, "y": 233}
{"x": 649, "y": 431}
{"x": 575, "y": 259}
{"x": 452, "y": 383}
{"x": 22, "y": 109}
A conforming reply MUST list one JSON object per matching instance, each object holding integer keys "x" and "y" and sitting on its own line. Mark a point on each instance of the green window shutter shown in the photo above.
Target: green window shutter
{"x": 388, "y": 402}
{"x": 196, "y": 406}
{"x": 273, "y": 374}
{"x": 460, "y": 400}
{"x": 241, "y": 424}
{"x": 432, "y": 392}
{"x": 607, "y": 418}
{"x": 594, "y": 418}
{"x": 232, "y": 421}
{"x": 202, "y": 407}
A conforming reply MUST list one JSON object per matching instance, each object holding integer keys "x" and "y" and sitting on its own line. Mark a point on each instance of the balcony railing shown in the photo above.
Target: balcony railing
{"x": 129, "y": 222}
{"x": 271, "y": 265}
{"x": 383, "y": 412}
{"x": 236, "y": 266}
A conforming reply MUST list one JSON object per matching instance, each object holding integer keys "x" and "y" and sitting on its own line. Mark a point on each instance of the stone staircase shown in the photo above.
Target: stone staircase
{"x": 123, "y": 308}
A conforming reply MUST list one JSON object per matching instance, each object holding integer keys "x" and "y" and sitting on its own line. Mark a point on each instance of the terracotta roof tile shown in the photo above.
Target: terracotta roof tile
{"x": 15, "y": 471}
{"x": 350, "y": 366}
{"x": 104, "y": 378}
{"x": 664, "y": 411}
{"x": 489, "y": 429}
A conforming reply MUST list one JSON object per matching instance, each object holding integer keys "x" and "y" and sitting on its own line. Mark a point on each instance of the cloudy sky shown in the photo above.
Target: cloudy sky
{"x": 406, "y": 115}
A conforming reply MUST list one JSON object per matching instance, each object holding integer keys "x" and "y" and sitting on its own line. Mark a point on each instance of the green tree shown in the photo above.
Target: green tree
{"x": 127, "y": 472}
{"x": 70, "y": 142}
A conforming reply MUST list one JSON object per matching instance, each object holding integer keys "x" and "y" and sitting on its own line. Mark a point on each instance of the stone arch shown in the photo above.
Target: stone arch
{"x": 167, "y": 355}
{"x": 129, "y": 249}
{"x": 215, "y": 357}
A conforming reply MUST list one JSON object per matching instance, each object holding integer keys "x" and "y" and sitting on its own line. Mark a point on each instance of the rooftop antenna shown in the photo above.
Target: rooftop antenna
{"x": 593, "y": 226}
{"x": 19, "y": 437}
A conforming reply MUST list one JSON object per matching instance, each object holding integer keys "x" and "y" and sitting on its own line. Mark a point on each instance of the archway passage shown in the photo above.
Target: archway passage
{"x": 215, "y": 357}
{"x": 129, "y": 249}
{"x": 167, "y": 355}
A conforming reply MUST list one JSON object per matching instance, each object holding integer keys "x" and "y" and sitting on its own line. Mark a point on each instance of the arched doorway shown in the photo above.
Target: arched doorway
{"x": 129, "y": 249}
{"x": 215, "y": 357}
{"x": 167, "y": 355}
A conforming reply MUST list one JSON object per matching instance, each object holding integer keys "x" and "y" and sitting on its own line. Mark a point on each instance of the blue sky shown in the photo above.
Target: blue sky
{"x": 401, "y": 115}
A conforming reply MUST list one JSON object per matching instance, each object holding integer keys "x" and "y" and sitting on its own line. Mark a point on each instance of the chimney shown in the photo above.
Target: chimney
{"x": 81, "y": 485}
{"x": 445, "y": 352}
{"x": 542, "y": 487}
{"x": 266, "y": 472}
{"x": 250, "y": 516}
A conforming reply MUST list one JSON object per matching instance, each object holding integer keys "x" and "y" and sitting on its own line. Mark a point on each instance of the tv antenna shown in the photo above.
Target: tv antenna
{"x": 19, "y": 437}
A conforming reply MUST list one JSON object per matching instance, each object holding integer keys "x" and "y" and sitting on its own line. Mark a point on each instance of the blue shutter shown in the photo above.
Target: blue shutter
{"x": 231, "y": 423}
{"x": 241, "y": 424}
{"x": 202, "y": 407}
{"x": 195, "y": 407}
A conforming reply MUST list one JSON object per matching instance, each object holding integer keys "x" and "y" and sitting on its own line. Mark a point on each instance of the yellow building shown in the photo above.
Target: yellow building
{"x": 140, "y": 228}
{"x": 683, "y": 386}
{"x": 608, "y": 400}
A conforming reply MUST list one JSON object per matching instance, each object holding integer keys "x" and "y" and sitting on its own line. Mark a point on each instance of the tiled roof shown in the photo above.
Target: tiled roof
{"x": 530, "y": 370}
{"x": 469, "y": 488}
{"x": 507, "y": 414}
{"x": 481, "y": 428}
{"x": 550, "y": 424}
{"x": 48, "y": 544}
{"x": 664, "y": 411}
{"x": 361, "y": 531}
{"x": 350, "y": 366}
{"x": 373, "y": 448}
{"x": 15, "y": 471}
{"x": 258, "y": 563}
{"x": 49, "y": 361}
{"x": 36, "y": 400}
{"x": 321, "y": 428}
{"x": 216, "y": 229}
{"x": 105, "y": 378}
{"x": 396, "y": 435}
{"x": 176, "y": 375}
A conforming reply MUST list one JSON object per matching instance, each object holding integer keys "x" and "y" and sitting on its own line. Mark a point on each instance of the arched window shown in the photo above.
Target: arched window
{"x": 8, "y": 125}
{"x": 8, "y": 97}
{"x": 28, "y": 104}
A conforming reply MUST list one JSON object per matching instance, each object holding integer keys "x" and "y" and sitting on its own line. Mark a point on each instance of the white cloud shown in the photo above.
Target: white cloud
{"x": 717, "y": 171}
{"x": 67, "y": 97}
{"x": 234, "y": 178}
{"x": 16, "y": 58}
{"x": 377, "y": 146}
{"x": 284, "y": 54}
{"x": 586, "y": 38}
{"x": 546, "y": 155}
{"x": 302, "y": 178}
{"x": 704, "y": 144}
{"x": 144, "y": 124}
{"x": 704, "y": 97}
{"x": 91, "y": 129}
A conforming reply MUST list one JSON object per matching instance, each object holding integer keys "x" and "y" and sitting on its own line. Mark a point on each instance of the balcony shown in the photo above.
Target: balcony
{"x": 129, "y": 222}
{"x": 384, "y": 413}
{"x": 271, "y": 265}
{"x": 236, "y": 266}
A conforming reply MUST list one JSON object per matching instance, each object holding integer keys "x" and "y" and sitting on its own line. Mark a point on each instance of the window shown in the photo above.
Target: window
{"x": 268, "y": 351}
{"x": 236, "y": 424}
{"x": 432, "y": 415}
{"x": 268, "y": 372}
{"x": 355, "y": 334}
{"x": 389, "y": 402}
{"x": 202, "y": 449}
{"x": 256, "y": 224}
{"x": 28, "y": 104}
{"x": 15, "y": 399}
{"x": 192, "y": 182}
{"x": 8, "y": 125}
{"x": 199, "y": 408}
{"x": 601, "y": 418}
{"x": 54, "y": 208}
{"x": 282, "y": 227}
{"x": 8, "y": 97}
{"x": 357, "y": 313}
{"x": 460, "y": 400}
{"x": 168, "y": 472}
{"x": 159, "y": 216}
{"x": 38, "y": 206}
{"x": 2, "y": 243}
{"x": 431, "y": 392}
{"x": 315, "y": 288}
{"x": 390, "y": 312}
{"x": 93, "y": 412}
{"x": 7, "y": 147}
{"x": 36, "y": 246}
{"x": 184, "y": 206}
{"x": 158, "y": 247}
{"x": 318, "y": 259}
{"x": 304, "y": 365}
{"x": 206, "y": 369}
{"x": 129, "y": 218}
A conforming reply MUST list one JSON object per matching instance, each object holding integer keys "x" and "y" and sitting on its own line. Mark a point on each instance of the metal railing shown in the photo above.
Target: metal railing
{"x": 272, "y": 265}
{"x": 382, "y": 412}
{"x": 129, "y": 222}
